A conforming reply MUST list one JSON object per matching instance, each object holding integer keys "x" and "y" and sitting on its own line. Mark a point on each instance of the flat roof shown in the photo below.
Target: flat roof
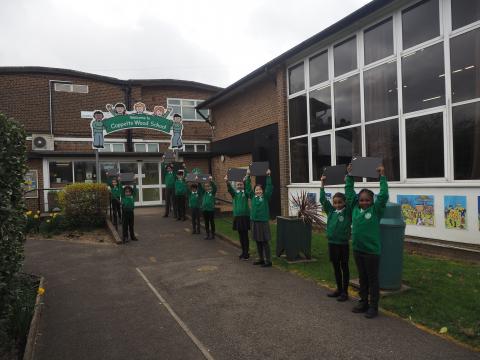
{"x": 134, "y": 82}
{"x": 347, "y": 21}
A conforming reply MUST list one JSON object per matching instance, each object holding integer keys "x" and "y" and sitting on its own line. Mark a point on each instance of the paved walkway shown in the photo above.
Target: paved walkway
{"x": 173, "y": 295}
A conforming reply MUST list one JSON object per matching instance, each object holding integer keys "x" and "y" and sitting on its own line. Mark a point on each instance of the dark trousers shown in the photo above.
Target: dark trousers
{"x": 209, "y": 218}
{"x": 244, "y": 241}
{"x": 196, "y": 220}
{"x": 368, "y": 265}
{"x": 116, "y": 211}
{"x": 263, "y": 249}
{"x": 339, "y": 254}
{"x": 170, "y": 201}
{"x": 181, "y": 206}
{"x": 128, "y": 222}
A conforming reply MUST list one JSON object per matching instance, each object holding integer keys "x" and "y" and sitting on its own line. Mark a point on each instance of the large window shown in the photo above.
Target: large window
{"x": 382, "y": 141}
{"x": 381, "y": 91}
{"x": 299, "y": 160}
{"x": 320, "y": 110}
{"x": 423, "y": 79}
{"x": 420, "y": 22}
{"x": 347, "y": 101}
{"x": 321, "y": 155}
{"x": 465, "y": 66}
{"x": 186, "y": 109}
{"x": 113, "y": 147}
{"x": 378, "y": 41}
{"x": 318, "y": 68}
{"x": 466, "y": 141}
{"x": 146, "y": 147}
{"x": 296, "y": 79}
{"x": 424, "y": 141}
{"x": 297, "y": 115}
{"x": 85, "y": 171}
{"x": 345, "y": 55}
{"x": 348, "y": 143}
{"x": 464, "y": 12}
{"x": 60, "y": 172}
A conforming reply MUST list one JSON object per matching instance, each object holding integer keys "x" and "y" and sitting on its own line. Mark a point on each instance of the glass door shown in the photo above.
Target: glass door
{"x": 133, "y": 167}
{"x": 150, "y": 185}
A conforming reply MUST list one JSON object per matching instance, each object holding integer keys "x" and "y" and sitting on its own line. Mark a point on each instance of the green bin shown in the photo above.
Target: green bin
{"x": 293, "y": 237}
{"x": 392, "y": 233}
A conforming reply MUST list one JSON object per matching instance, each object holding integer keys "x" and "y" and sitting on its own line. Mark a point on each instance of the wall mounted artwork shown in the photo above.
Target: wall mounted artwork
{"x": 455, "y": 209}
{"x": 418, "y": 209}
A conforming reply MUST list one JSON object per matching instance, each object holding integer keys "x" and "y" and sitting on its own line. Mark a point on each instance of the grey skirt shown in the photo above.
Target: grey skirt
{"x": 261, "y": 231}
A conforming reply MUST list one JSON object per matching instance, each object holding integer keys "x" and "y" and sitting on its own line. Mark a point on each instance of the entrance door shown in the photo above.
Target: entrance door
{"x": 133, "y": 167}
{"x": 150, "y": 188}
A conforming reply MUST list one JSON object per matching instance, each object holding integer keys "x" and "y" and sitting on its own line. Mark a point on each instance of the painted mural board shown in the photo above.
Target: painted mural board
{"x": 418, "y": 209}
{"x": 30, "y": 184}
{"x": 455, "y": 210}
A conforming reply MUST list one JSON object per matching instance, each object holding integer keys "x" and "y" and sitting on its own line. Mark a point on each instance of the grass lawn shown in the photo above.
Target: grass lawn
{"x": 443, "y": 293}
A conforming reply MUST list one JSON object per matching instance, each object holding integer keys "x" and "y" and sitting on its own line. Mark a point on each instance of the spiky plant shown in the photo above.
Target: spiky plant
{"x": 308, "y": 210}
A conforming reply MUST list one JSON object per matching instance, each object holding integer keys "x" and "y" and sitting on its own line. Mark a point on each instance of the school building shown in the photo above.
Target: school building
{"x": 395, "y": 79}
{"x": 56, "y": 105}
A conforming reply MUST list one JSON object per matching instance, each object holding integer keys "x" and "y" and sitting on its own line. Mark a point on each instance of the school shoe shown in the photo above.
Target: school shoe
{"x": 371, "y": 312}
{"x": 343, "y": 297}
{"x": 246, "y": 257}
{"x": 259, "y": 262}
{"x": 334, "y": 294}
{"x": 165, "y": 215}
{"x": 125, "y": 240}
{"x": 361, "y": 307}
{"x": 267, "y": 264}
{"x": 207, "y": 237}
{"x": 241, "y": 256}
{"x": 134, "y": 239}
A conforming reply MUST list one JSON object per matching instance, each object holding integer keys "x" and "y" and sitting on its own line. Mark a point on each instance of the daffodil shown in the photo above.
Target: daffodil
{"x": 29, "y": 212}
{"x": 41, "y": 291}
{"x": 36, "y": 216}
{"x": 48, "y": 221}
{"x": 38, "y": 211}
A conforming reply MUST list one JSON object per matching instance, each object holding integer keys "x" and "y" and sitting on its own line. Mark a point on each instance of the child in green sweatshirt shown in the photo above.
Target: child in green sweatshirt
{"x": 128, "y": 205}
{"x": 208, "y": 192}
{"x": 241, "y": 215}
{"x": 339, "y": 222}
{"x": 366, "y": 215}
{"x": 181, "y": 194}
{"x": 260, "y": 215}
{"x": 194, "y": 203}
{"x": 115, "y": 188}
{"x": 169, "y": 178}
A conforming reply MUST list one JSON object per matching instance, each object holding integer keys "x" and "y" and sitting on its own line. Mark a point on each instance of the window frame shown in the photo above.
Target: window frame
{"x": 198, "y": 118}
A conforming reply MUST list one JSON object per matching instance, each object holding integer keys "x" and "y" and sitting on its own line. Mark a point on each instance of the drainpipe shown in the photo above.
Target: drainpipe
{"x": 50, "y": 102}
{"x": 128, "y": 103}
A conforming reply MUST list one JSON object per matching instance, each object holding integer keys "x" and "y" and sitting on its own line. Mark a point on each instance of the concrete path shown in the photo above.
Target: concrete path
{"x": 174, "y": 295}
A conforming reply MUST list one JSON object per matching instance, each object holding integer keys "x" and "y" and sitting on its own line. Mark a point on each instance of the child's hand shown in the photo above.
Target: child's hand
{"x": 349, "y": 168}
{"x": 381, "y": 170}
{"x": 248, "y": 172}
{"x": 322, "y": 179}
{"x": 109, "y": 107}
{"x": 210, "y": 178}
{"x": 269, "y": 172}
{"x": 225, "y": 178}
{"x": 184, "y": 166}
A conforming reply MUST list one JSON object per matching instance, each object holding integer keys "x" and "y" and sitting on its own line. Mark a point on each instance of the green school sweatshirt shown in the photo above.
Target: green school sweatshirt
{"x": 366, "y": 223}
{"x": 339, "y": 224}
{"x": 169, "y": 177}
{"x": 128, "y": 202}
{"x": 240, "y": 201}
{"x": 194, "y": 199}
{"x": 180, "y": 186}
{"x": 260, "y": 210}
{"x": 208, "y": 197}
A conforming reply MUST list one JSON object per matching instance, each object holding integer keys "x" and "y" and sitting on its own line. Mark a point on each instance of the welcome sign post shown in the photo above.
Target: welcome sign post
{"x": 117, "y": 118}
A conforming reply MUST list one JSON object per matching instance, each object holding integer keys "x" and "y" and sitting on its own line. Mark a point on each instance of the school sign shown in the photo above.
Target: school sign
{"x": 133, "y": 121}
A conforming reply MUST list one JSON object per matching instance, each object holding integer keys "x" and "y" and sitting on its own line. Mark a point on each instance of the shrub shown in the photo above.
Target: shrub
{"x": 12, "y": 217}
{"x": 33, "y": 221}
{"x": 53, "y": 224}
{"x": 84, "y": 205}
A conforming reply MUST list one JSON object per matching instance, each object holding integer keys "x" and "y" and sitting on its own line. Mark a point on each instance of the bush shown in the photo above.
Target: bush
{"x": 12, "y": 217}
{"x": 53, "y": 225}
{"x": 84, "y": 205}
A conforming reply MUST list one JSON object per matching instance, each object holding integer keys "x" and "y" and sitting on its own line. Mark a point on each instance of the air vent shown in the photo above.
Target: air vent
{"x": 42, "y": 142}
{"x": 72, "y": 88}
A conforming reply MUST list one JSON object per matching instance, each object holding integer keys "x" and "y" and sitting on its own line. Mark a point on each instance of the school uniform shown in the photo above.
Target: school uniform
{"x": 116, "y": 194}
{"x": 128, "y": 206}
{"x": 169, "y": 191}
{"x": 181, "y": 197}
{"x": 194, "y": 203}
{"x": 260, "y": 215}
{"x": 339, "y": 223}
{"x": 366, "y": 240}
{"x": 241, "y": 218}
{"x": 208, "y": 209}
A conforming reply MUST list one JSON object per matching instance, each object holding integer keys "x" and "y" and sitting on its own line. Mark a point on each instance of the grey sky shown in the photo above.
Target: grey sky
{"x": 211, "y": 41}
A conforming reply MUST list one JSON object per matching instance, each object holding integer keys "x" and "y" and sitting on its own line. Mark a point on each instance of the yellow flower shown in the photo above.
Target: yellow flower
{"x": 38, "y": 211}
{"x": 55, "y": 215}
{"x": 29, "y": 212}
{"x": 41, "y": 291}
{"x": 36, "y": 216}
{"x": 48, "y": 221}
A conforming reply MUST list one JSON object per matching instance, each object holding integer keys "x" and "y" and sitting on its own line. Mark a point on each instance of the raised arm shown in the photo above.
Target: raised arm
{"x": 214, "y": 187}
{"x": 382, "y": 197}
{"x": 248, "y": 187}
{"x": 268, "y": 186}
{"x": 230, "y": 189}
{"x": 327, "y": 206}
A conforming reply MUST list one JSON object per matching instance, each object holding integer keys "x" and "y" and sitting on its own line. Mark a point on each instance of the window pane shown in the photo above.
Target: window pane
{"x": 381, "y": 92}
{"x": 152, "y": 147}
{"x": 297, "y": 115}
{"x": 299, "y": 160}
{"x": 465, "y": 66}
{"x": 347, "y": 101}
{"x": 151, "y": 194}
{"x": 105, "y": 168}
{"x": 188, "y": 113}
{"x": 320, "y": 110}
{"x": 204, "y": 112}
{"x": 423, "y": 79}
{"x": 319, "y": 68}
{"x": 464, "y": 12}
{"x": 188, "y": 103}
{"x": 420, "y": 22}
{"x": 106, "y": 148}
{"x": 173, "y": 102}
{"x": 348, "y": 143}
{"x": 60, "y": 172}
{"x": 321, "y": 155}
{"x": 378, "y": 41}
{"x": 382, "y": 141}
{"x": 140, "y": 148}
{"x": 176, "y": 110}
{"x": 345, "y": 56}
{"x": 189, "y": 147}
{"x": 85, "y": 171}
{"x": 424, "y": 139}
{"x": 152, "y": 175}
{"x": 202, "y": 148}
{"x": 466, "y": 143}
{"x": 118, "y": 148}
{"x": 296, "y": 80}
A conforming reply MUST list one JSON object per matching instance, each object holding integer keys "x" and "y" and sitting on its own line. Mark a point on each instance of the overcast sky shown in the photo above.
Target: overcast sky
{"x": 211, "y": 41}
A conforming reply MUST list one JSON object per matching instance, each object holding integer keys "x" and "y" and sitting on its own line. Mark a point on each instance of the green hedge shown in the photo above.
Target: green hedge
{"x": 84, "y": 205}
{"x": 12, "y": 218}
